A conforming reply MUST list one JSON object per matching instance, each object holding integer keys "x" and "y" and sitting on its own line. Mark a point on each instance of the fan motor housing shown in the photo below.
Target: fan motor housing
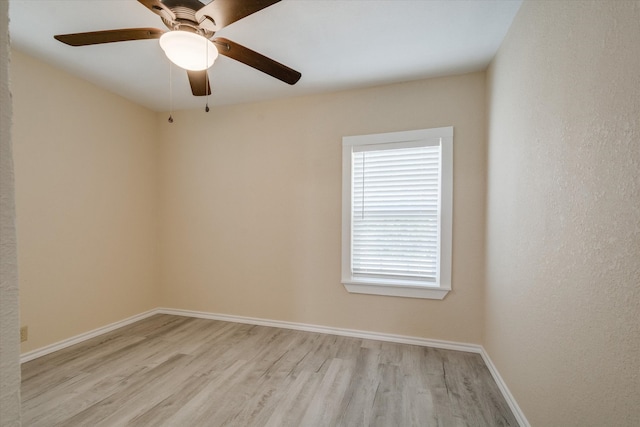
{"x": 185, "y": 12}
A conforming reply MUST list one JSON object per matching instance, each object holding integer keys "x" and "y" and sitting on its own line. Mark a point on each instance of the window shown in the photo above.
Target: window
{"x": 397, "y": 213}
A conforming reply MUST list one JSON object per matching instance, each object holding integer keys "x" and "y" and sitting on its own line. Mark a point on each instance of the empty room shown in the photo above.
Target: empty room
{"x": 321, "y": 213}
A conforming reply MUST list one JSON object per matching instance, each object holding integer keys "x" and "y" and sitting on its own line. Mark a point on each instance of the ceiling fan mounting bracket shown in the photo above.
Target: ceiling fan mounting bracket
{"x": 222, "y": 44}
{"x": 189, "y": 26}
{"x": 208, "y": 23}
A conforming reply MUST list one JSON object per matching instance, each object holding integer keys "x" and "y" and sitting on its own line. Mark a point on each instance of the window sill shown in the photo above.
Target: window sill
{"x": 396, "y": 290}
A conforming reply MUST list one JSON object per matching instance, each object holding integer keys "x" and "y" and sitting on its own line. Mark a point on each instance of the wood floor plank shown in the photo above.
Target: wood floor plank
{"x": 329, "y": 395}
{"x": 294, "y": 401}
{"x": 179, "y": 371}
{"x": 199, "y": 409}
{"x": 357, "y": 406}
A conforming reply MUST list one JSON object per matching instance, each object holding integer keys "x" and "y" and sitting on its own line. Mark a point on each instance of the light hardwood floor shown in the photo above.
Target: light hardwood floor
{"x": 180, "y": 371}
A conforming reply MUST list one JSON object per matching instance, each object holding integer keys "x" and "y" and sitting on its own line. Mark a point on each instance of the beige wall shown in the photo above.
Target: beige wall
{"x": 9, "y": 342}
{"x": 87, "y": 201}
{"x": 563, "y": 236}
{"x": 86, "y": 165}
{"x": 251, "y": 208}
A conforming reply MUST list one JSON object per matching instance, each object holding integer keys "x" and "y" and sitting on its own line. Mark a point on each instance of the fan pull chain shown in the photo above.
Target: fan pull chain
{"x": 206, "y": 78}
{"x": 170, "y": 94}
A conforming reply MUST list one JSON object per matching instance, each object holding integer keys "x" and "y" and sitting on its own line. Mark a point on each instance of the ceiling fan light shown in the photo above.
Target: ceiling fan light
{"x": 188, "y": 50}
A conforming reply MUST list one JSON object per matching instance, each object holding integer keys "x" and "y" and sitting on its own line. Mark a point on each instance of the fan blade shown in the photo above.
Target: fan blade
{"x": 258, "y": 61}
{"x": 199, "y": 81}
{"x": 158, "y": 8}
{"x": 220, "y": 13}
{"x": 109, "y": 36}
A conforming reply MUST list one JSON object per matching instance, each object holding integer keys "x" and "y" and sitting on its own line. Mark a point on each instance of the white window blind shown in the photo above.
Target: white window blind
{"x": 395, "y": 212}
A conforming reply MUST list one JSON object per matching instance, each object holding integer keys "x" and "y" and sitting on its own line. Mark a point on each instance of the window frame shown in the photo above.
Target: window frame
{"x": 401, "y": 287}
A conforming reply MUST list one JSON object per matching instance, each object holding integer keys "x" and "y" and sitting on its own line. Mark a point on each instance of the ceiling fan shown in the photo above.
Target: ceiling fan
{"x": 190, "y": 41}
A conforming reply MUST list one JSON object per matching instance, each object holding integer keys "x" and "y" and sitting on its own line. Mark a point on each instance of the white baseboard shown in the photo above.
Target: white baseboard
{"x": 43, "y": 351}
{"x": 511, "y": 401}
{"x": 401, "y": 339}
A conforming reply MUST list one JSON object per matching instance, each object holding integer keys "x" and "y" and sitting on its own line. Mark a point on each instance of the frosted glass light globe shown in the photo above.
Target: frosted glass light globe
{"x": 188, "y": 50}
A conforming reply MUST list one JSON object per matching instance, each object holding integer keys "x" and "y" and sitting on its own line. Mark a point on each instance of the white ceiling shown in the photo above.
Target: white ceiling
{"x": 335, "y": 44}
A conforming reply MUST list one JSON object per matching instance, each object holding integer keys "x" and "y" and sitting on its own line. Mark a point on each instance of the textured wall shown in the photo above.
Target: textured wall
{"x": 252, "y": 208}
{"x": 563, "y": 236}
{"x": 9, "y": 337}
{"x": 86, "y": 164}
